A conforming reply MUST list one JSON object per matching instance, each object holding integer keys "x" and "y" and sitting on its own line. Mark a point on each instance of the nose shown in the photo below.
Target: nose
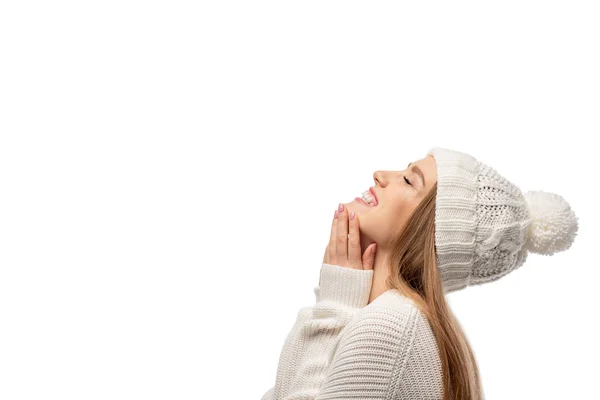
{"x": 383, "y": 177}
{"x": 378, "y": 177}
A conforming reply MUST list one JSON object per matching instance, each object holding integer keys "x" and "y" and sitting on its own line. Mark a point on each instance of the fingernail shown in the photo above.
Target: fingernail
{"x": 341, "y": 207}
{"x": 352, "y": 215}
{"x": 374, "y": 247}
{"x": 335, "y": 215}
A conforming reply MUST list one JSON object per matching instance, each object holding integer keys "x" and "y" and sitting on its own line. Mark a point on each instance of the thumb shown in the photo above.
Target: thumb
{"x": 368, "y": 258}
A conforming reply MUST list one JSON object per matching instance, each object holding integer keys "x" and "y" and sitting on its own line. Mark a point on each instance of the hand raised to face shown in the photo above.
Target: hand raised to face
{"x": 343, "y": 248}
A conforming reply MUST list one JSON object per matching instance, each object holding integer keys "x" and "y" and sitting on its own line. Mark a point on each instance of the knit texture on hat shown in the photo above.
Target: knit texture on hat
{"x": 485, "y": 226}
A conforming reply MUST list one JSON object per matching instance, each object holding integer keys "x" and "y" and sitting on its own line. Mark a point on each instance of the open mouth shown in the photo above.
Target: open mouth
{"x": 363, "y": 202}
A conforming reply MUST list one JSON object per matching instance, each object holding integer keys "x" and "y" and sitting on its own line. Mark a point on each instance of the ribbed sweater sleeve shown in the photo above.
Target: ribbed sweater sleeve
{"x": 310, "y": 345}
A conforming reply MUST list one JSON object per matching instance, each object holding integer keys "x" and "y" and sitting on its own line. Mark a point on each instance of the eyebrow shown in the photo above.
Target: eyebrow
{"x": 419, "y": 172}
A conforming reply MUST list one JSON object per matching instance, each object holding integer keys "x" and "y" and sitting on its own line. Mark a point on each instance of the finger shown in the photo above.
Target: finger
{"x": 330, "y": 251}
{"x": 368, "y": 259}
{"x": 354, "y": 256}
{"x": 342, "y": 236}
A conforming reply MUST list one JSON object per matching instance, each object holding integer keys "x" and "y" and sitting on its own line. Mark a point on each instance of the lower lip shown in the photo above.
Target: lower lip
{"x": 360, "y": 200}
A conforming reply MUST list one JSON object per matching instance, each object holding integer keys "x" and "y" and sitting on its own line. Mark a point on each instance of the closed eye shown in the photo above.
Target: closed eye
{"x": 407, "y": 181}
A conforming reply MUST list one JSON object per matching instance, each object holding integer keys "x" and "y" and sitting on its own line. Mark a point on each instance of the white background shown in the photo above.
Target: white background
{"x": 169, "y": 170}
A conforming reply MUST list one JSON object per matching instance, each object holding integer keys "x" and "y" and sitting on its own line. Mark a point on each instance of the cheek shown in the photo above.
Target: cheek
{"x": 379, "y": 222}
{"x": 394, "y": 216}
{"x": 403, "y": 207}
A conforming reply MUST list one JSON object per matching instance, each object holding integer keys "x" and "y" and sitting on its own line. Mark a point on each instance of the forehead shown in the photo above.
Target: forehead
{"x": 428, "y": 166}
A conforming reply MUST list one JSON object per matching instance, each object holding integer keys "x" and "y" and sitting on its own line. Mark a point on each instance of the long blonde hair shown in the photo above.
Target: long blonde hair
{"x": 414, "y": 273}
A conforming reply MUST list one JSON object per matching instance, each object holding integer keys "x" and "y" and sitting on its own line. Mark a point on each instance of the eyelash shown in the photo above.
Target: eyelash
{"x": 407, "y": 181}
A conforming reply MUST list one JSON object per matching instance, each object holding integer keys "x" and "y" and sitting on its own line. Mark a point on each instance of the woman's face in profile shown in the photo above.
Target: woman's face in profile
{"x": 398, "y": 194}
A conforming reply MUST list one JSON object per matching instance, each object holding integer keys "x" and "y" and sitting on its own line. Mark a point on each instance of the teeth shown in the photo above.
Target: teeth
{"x": 366, "y": 195}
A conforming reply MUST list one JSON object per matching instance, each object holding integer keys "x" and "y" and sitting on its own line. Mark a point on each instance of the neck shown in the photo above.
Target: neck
{"x": 380, "y": 270}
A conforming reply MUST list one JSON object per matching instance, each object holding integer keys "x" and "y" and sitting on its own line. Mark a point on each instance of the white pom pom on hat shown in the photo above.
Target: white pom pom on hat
{"x": 553, "y": 225}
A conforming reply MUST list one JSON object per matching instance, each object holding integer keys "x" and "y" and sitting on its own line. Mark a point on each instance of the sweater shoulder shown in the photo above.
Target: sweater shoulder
{"x": 394, "y": 331}
{"x": 392, "y": 307}
{"x": 420, "y": 376}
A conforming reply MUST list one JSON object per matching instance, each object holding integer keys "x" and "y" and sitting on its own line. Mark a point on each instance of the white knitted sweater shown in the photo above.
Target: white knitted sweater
{"x": 344, "y": 348}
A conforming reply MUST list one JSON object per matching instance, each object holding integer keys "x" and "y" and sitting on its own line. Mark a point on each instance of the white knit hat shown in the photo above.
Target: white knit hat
{"x": 485, "y": 226}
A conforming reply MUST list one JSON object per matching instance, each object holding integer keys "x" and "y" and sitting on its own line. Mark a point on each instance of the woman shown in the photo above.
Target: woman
{"x": 381, "y": 327}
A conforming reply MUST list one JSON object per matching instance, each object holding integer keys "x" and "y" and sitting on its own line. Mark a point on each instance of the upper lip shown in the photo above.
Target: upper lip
{"x": 374, "y": 195}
